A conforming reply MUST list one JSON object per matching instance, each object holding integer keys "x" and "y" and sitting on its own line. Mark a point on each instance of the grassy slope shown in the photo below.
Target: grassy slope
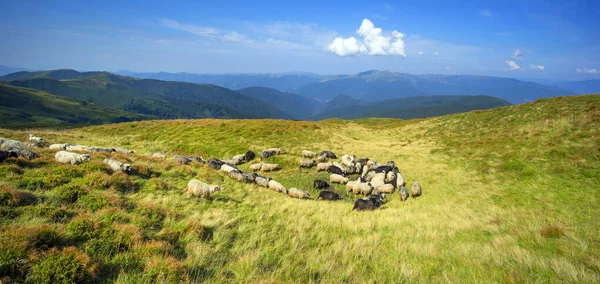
{"x": 22, "y": 107}
{"x": 510, "y": 195}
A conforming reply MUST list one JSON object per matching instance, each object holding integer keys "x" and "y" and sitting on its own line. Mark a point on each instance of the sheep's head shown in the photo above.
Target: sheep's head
{"x": 85, "y": 157}
{"x": 127, "y": 168}
{"x": 216, "y": 188}
{"x": 13, "y": 154}
{"x": 284, "y": 190}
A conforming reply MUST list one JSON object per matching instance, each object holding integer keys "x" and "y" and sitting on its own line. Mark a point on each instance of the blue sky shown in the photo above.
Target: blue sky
{"x": 522, "y": 39}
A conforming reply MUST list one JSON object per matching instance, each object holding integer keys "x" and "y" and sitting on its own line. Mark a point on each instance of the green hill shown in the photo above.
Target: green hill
{"x": 297, "y": 106}
{"x": 21, "y": 107}
{"x": 158, "y": 98}
{"x": 509, "y": 195}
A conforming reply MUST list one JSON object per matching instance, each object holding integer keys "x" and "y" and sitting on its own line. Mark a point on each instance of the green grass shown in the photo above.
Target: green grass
{"x": 509, "y": 195}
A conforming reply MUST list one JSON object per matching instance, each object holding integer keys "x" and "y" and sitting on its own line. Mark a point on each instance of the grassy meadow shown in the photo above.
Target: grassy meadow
{"x": 509, "y": 195}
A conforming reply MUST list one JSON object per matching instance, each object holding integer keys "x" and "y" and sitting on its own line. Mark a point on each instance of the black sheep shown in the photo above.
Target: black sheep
{"x": 266, "y": 154}
{"x": 7, "y": 154}
{"x": 371, "y": 203}
{"x": 336, "y": 170}
{"x": 249, "y": 156}
{"x": 215, "y": 163}
{"x": 328, "y": 195}
{"x": 328, "y": 154}
{"x": 320, "y": 184}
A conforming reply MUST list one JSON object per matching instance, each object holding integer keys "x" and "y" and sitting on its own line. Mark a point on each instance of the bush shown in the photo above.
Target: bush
{"x": 11, "y": 197}
{"x": 13, "y": 258}
{"x": 34, "y": 180}
{"x": 122, "y": 183}
{"x": 69, "y": 193}
{"x": 52, "y": 212}
{"x": 67, "y": 266}
{"x": 94, "y": 202}
{"x": 165, "y": 270}
{"x": 83, "y": 228}
{"x": 39, "y": 237}
{"x": 151, "y": 216}
{"x": 7, "y": 171}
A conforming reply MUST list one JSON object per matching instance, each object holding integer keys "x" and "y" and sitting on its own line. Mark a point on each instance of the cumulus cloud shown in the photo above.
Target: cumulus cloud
{"x": 512, "y": 65}
{"x": 536, "y": 67}
{"x": 518, "y": 54}
{"x": 585, "y": 70}
{"x": 371, "y": 42}
{"x": 193, "y": 29}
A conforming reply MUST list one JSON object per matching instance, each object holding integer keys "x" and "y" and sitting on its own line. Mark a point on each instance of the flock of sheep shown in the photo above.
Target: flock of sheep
{"x": 373, "y": 180}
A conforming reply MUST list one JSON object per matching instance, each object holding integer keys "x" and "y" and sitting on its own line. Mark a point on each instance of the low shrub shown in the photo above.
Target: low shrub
{"x": 149, "y": 216}
{"x": 69, "y": 193}
{"x": 8, "y": 171}
{"x": 83, "y": 228}
{"x": 94, "y": 201}
{"x": 12, "y": 197}
{"x": 63, "y": 266}
{"x": 165, "y": 270}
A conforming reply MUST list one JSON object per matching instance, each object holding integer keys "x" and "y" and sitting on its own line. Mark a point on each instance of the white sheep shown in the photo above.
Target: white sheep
{"x": 399, "y": 180}
{"x": 416, "y": 189}
{"x": 335, "y": 178}
{"x": 308, "y": 154}
{"x": 390, "y": 176}
{"x": 277, "y": 187}
{"x": 350, "y": 185}
{"x": 65, "y": 157}
{"x": 323, "y": 166}
{"x": 123, "y": 150}
{"x": 78, "y": 148}
{"x": 256, "y": 167}
{"x": 386, "y": 188}
{"x": 58, "y": 147}
{"x": 237, "y": 175}
{"x": 227, "y": 168}
{"x": 322, "y": 159}
{"x": 348, "y": 160}
{"x": 262, "y": 181}
{"x": 117, "y": 166}
{"x": 269, "y": 167}
{"x": 278, "y": 151}
{"x": 403, "y": 193}
{"x": 365, "y": 188}
{"x": 306, "y": 163}
{"x": 296, "y": 193}
{"x": 198, "y": 188}
{"x": 158, "y": 155}
{"x": 35, "y": 138}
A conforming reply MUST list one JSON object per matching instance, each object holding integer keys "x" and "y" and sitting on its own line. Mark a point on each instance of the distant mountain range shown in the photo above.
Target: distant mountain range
{"x": 581, "y": 87}
{"x": 367, "y": 94}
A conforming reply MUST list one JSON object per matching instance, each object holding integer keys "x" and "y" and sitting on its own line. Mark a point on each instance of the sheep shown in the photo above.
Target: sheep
{"x": 306, "y": 163}
{"x": 399, "y": 180}
{"x": 364, "y": 171}
{"x": 328, "y": 154}
{"x": 227, "y": 168}
{"x": 335, "y": 170}
{"x": 387, "y": 188}
{"x": 197, "y": 159}
{"x": 116, "y": 166}
{"x": 77, "y": 148}
{"x": 391, "y": 164}
{"x": 296, "y": 193}
{"x": 322, "y": 158}
{"x": 65, "y": 157}
{"x": 236, "y": 160}
{"x": 372, "y": 164}
{"x": 382, "y": 169}
{"x": 123, "y": 150}
{"x": 364, "y": 188}
{"x": 320, "y": 184}
{"x": 182, "y": 160}
{"x": 256, "y": 167}
{"x": 35, "y": 139}
{"x": 248, "y": 178}
{"x": 349, "y": 170}
{"x": 261, "y": 180}
{"x": 277, "y": 187}
{"x": 266, "y": 154}
{"x": 237, "y": 175}
{"x": 403, "y": 193}
{"x": 198, "y": 188}
{"x": 58, "y": 147}
{"x": 335, "y": 178}
{"x": 277, "y": 151}
{"x": 362, "y": 162}
{"x": 158, "y": 155}
{"x": 323, "y": 166}
{"x": 350, "y": 185}
{"x": 416, "y": 189}
{"x": 249, "y": 156}
{"x": 215, "y": 163}
{"x": 7, "y": 154}
{"x": 348, "y": 160}
{"x": 370, "y": 203}
{"x": 328, "y": 195}
{"x": 390, "y": 176}
{"x": 269, "y": 167}
{"x": 369, "y": 176}
{"x": 308, "y": 154}
{"x": 6, "y": 143}
{"x": 101, "y": 149}
{"x": 23, "y": 152}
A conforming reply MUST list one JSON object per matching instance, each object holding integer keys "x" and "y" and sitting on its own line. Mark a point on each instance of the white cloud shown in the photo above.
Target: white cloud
{"x": 420, "y": 53}
{"x": 512, "y": 65}
{"x": 436, "y": 53}
{"x": 236, "y": 37}
{"x": 518, "y": 53}
{"x": 371, "y": 42}
{"x": 536, "y": 67}
{"x": 585, "y": 70}
{"x": 193, "y": 29}
{"x": 485, "y": 12}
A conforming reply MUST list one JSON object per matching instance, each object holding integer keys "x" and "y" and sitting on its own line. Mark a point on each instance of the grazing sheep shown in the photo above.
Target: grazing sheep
{"x": 328, "y": 195}
{"x": 403, "y": 193}
{"x": 322, "y": 158}
{"x": 399, "y": 180}
{"x": 7, "y": 154}
{"x": 78, "y": 148}
{"x": 328, "y": 154}
{"x": 320, "y": 184}
{"x": 369, "y": 176}
{"x": 348, "y": 160}
{"x": 158, "y": 155}
{"x": 390, "y": 176}
{"x": 97, "y": 149}
{"x": 371, "y": 203}
{"x": 237, "y": 175}
{"x": 382, "y": 169}
{"x": 256, "y": 167}
{"x": 6, "y": 143}
{"x": 277, "y": 187}
{"x": 351, "y": 184}
{"x": 362, "y": 162}
{"x": 335, "y": 170}
{"x": 365, "y": 188}
{"x": 372, "y": 164}
{"x": 269, "y": 167}
{"x": 265, "y": 154}
{"x": 261, "y": 180}
{"x": 277, "y": 151}
{"x": 196, "y": 159}
{"x": 248, "y": 178}
{"x": 58, "y": 147}
{"x": 35, "y": 139}
{"x": 296, "y": 193}
{"x": 416, "y": 189}
{"x": 198, "y": 188}
{"x": 249, "y": 156}
{"x": 23, "y": 152}
{"x": 215, "y": 163}
{"x": 116, "y": 166}
{"x": 227, "y": 168}
{"x": 387, "y": 188}
{"x": 65, "y": 157}
{"x": 364, "y": 171}
{"x": 306, "y": 163}
{"x": 308, "y": 154}
{"x": 335, "y": 178}
{"x": 391, "y": 164}
{"x": 323, "y": 166}
{"x": 349, "y": 170}
{"x": 182, "y": 160}
{"x": 123, "y": 150}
